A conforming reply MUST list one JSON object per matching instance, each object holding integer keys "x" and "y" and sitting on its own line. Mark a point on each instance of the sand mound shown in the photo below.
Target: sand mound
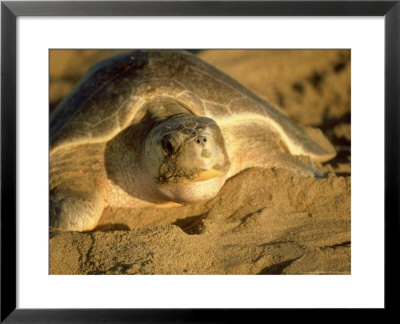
{"x": 263, "y": 221}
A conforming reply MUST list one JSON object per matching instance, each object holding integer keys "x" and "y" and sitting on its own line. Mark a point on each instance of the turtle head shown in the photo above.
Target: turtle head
{"x": 186, "y": 158}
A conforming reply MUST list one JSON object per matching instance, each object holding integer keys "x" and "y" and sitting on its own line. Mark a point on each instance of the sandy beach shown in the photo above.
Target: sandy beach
{"x": 263, "y": 221}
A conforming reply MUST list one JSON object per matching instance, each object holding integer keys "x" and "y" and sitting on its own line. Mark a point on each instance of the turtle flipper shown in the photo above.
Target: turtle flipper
{"x": 302, "y": 165}
{"x": 77, "y": 187}
{"x": 74, "y": 211}
{"x": 328, "y": 152}
{"x": 252, "y": 144}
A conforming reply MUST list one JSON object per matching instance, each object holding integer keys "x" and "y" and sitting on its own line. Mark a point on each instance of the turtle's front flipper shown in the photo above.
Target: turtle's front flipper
{"x": 302, "y": 165}
{"x": 75, "y": 210}
{"x": 77, "y": 187}
{"x": 254, "y": 144}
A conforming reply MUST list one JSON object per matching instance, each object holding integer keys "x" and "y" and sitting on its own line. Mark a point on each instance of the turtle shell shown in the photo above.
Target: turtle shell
{"x": 113, "y": 93}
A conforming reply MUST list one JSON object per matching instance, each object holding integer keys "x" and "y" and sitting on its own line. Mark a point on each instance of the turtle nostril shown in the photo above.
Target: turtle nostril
{"x": 201, "y": 140}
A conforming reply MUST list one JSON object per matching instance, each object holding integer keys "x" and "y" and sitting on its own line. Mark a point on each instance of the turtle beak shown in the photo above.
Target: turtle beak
{"x": 209, "y": 174}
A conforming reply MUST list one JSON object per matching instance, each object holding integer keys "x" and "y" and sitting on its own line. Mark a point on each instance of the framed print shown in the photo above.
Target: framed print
{"x": 211, "y": 145}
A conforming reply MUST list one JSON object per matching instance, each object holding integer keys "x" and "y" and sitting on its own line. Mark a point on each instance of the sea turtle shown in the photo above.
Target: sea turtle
{"x": 162, "y": 127}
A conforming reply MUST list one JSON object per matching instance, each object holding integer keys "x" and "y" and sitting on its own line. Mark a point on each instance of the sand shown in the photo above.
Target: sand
{"x": 263, "y": 221}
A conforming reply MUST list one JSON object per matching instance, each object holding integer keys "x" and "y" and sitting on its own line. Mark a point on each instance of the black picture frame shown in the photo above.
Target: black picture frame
{"x": 10, "y": 10}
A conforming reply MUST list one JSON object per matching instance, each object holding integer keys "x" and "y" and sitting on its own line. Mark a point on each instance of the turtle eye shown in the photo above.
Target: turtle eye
{"x": 167, "y": 145}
